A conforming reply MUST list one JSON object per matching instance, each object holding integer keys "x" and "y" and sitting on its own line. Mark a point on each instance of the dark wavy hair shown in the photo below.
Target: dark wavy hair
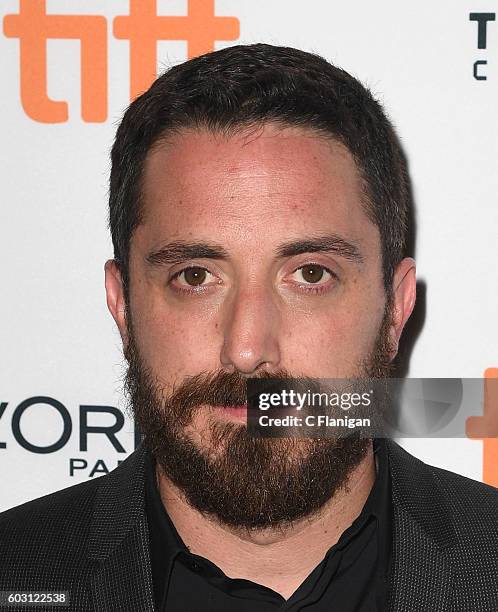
{"x": 248, "y": 85}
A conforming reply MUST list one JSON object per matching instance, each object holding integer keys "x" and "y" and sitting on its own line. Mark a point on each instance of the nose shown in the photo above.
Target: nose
{"x": 251, "y": 327}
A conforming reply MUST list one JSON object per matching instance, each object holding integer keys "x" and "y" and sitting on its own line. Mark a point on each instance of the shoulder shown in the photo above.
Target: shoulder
{"x": 46, "y": 538}
{"x": 57, "y": 538}
{"x": 470, "y": 505}
{"x": 61, "y": 510}
{"x": 457, "y": 489}
{"x": 474, "y": 503}
{"x": 44, "y": 544}
{"x": 473, "y": 515}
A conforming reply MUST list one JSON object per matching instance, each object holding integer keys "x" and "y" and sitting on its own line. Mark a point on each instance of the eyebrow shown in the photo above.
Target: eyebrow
{"x": 181, "y": 251}
{"x": 332, "y": 243}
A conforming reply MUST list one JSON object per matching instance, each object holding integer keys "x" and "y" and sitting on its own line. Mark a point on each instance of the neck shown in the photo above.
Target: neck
{"x": 277, "y": 558}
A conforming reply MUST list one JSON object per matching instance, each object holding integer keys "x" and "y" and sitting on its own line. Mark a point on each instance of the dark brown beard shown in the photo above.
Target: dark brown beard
{"x": 241, "y": 480}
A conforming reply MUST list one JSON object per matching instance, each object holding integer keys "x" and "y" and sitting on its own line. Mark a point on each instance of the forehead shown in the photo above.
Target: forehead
{"x": 266, "y": 181}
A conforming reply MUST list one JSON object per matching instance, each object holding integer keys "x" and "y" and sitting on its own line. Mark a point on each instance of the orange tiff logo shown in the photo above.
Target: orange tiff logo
{"x": 143, "y": 28}
{"x": 485, "y": 427}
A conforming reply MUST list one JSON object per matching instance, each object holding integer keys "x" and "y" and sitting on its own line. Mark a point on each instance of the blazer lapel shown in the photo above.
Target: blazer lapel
{"x": 118, "y": 543}
{"x": 423, "y": 534}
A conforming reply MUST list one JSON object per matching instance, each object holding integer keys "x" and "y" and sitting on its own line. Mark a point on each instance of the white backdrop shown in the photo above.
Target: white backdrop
{"x": 58, "y": 340}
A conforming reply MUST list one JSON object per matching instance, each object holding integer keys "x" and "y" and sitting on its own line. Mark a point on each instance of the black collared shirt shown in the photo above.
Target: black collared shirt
{"x": 352, "y": 577}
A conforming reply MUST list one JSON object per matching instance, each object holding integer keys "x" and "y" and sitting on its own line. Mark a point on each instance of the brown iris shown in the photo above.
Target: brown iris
{"x": 195, "y": 276}
{"x": 312, "y": 273}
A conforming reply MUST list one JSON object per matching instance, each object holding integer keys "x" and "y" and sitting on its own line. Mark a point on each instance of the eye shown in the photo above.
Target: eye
{"x": 314, "y": 279}
{"x": 313, "y": 273}
{"x": 192, "y": 278}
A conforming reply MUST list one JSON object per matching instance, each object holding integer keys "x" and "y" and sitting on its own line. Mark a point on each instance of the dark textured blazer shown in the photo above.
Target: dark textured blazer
{"x": 92, "y": 540}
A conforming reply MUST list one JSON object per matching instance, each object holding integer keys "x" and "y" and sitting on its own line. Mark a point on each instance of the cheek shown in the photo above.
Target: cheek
{"x": 172, "y": 342}
{"x": 331, "y": 342}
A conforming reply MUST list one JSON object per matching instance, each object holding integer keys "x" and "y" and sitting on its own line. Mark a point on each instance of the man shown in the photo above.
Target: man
{"x": 259, "y": 210}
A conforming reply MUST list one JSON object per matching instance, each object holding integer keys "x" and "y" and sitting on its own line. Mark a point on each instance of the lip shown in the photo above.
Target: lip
{"x": 238, "y": 413}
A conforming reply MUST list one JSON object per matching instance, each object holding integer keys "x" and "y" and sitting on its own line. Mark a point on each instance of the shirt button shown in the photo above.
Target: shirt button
{"x": 195, "y": 566}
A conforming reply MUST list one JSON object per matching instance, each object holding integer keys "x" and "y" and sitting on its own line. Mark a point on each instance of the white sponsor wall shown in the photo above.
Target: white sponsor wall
{"x": 60, "y": 353}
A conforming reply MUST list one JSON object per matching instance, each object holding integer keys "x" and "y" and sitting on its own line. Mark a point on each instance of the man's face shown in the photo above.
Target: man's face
{"x": 254, "y": 256}
{"x": 250, "y": 195}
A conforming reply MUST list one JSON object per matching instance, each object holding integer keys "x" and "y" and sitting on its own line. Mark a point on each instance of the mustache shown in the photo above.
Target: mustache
{"x": 215, "y": 388}
{"x": 230, "y": 388}
{"x": 218, "y": 388}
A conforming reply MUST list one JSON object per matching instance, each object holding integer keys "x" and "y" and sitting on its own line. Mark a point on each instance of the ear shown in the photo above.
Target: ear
{"x": 115, "y": 297}
{"x": 404, "y": 293}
